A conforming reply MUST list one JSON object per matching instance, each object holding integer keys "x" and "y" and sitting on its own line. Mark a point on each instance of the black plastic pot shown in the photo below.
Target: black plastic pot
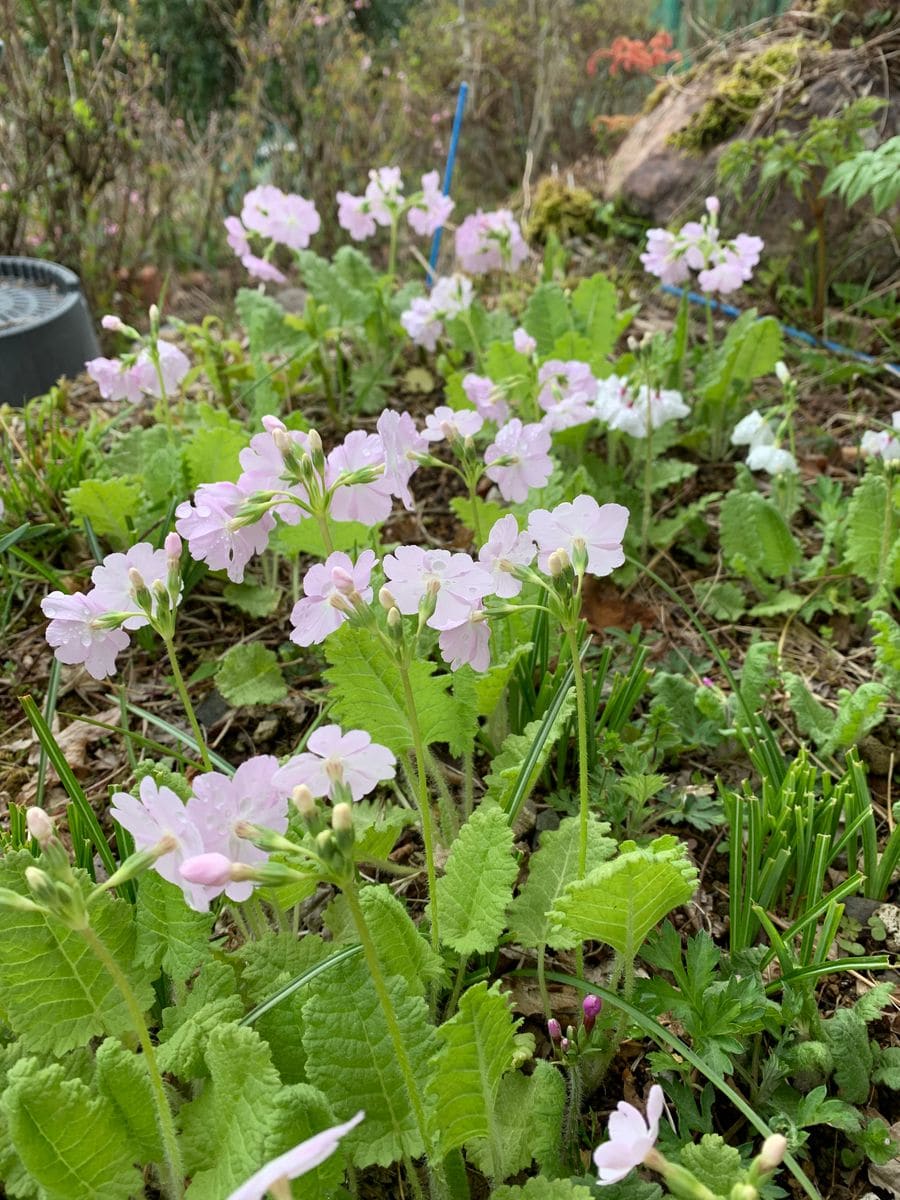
{"x": 45, "y": 328}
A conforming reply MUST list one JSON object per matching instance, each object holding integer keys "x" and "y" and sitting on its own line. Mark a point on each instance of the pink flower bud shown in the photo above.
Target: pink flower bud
{"x": 172, "y": 546}
{"x": 136, "y": 580}
{"x": 554, "y": 1029}
{"x": 712, "y": 205}
{"x": 210, "y": 870}
{"x": 112, "y": 323}
{"x": 343, "y": 581}
{"x": 40, "y": 827}
{"x": 591, "y": 1007}
{"x": 772, "y": 1153}
{"x": 270, "y": 424}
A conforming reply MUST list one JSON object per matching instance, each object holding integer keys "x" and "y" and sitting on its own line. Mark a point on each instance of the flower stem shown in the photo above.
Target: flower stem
{"x": 423, "y": 802}
{"x": 384, "y": 997}
{"x": 322, "y": 522}
{"x": 648, "y": 486}
{"x": 583, "y": 800}
{"x": 392, "y": 252}
{"x": 186, "y": 701}
{"x": 164, "y": 1118}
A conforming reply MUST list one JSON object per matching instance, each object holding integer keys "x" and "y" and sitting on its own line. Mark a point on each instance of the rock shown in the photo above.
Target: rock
{"x": 889, "y": 916}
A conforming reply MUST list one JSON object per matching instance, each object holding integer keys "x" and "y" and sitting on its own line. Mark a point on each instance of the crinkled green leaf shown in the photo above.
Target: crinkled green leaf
{"x": 301, "y": 1112}
{"x": 401, "y": 948}
{"x": 186, "y": 1027}
{"x": 212, "y": 455}
{"x": 109, "y": 505}
{"x": 595, "y": 302}
{"x": 755, "y": 537}
{"x": 547, "y": 316}
{"x": 620, "y": 901}
{"x": 477, "y": 1049}
{"x": 124, "y": 1081}
{"x": 55, "y": 993}
{"x": 351, "y": 1058}
{"x": 252, "y": 598}
{"x": 250, "y": 673}
{"x": 306, "y": 538}
{"x": 716, "y": 1164}
{"x": 263, "y": 318}
{"x": 550, "y": 869}
{"x": 476, "y": 888}
{"x": 871, "y": 534}
{"x": 170, "y": 934}
{"x": 506, "y": 767}
{"x": 70, "y": 1141}
{"x": 528, "y": 1123}
{"x": 224, "y": 1129}
{"x": 541, "y": 1188}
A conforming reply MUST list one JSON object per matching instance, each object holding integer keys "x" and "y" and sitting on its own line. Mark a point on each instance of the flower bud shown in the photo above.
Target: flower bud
{"x": 210, "y": 870}
{"x": 712, "y": 205}
{"x": 265, "y": 839}
{"x": 554, "y": 1030}
{"x": 153, "y": 314}
{"x": 564, "y": 1045}
{"x": 394, "y": 619}
{"x": 11, "y": 899}
{"x": 282, "y": 440}
{"x": 40, "y": 885}
{"x": 386, "y": 600}
{"x": 304, "y": 801}
{"x": 272, "y": 424}
{"x": 317, "y": 454}
{"x": 113, "y": 323}
{"x": 172, "y": 546}
{"x": 136, "y": 580}
{"x": 40, "y": 827}
{"x": 342, "y": 825}
{"x": 557, "y": 563}
{"x": 772, "y": 1153}
{"x": 343, "y": 581}
{"x": 782, "y": 372}
{"x": 591, "y": 1007}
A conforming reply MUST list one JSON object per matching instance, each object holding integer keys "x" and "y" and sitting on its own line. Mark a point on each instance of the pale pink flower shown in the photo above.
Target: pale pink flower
{"x": 355, "y": 216}
{"x": 523, "y": 341}
{"x": 444, "y": 422}
{"x": 490, "y": 242}
{"x": 113, "y": 587}
{"x": 264, "y": 469}
{"x": 174, "y": 364}
{"x": 631, "y": 1138}
{"x": 384, "y": 193}
{"x": 518, "y": 459}
{"x": 260, "y": 268}
{"x": 368, "y": 503}
{"x": 400, "y": 441}
{"x": 882, "y": 443}
{"x": 333, "y": 756}
{"x": 567, "y": 394}
{"x": 456, "y": 582}
{"x": 115, "y": 380}
{"x": 434, "y": 208}
{"x": 76, "y": 636}
{"x": 290, "y": 220}
{"x": 421, "y": 323}
{"x": 731, "y": 264}
{"x": 299, "y": 1160}
{"x": 505, "y": 549}
{"x": 772, "y": 459}
{"x": 582, "y": 527}
{"x": 329, "y": 598}
{"x": 486, "y": 396}
{"x": 630, "y": 411}
{"x": 159, "y": 813}
{"x": 451, "y": 295}
{"x": 468, "y": 643}
{"x": 208, "y": 527}
{"x": 236, "y": 236}
{"x": 257, "y": 205}
{"x": 661, "y": 258}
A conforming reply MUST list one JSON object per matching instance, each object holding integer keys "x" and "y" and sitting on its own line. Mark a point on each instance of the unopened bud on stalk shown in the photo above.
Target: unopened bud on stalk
{"x": 265, "y": 839}
{"x": 771, "y": 1154}
{"x": 633, "y": 344}
{"x": 136, "y": 580}
{"x": 209, "y": 870}
{"x": 712, "y": 205}
{"x": 113, "y": 323}
{"x": 40, "y": 827}
{"x": 153, "y": 314}
{"x": 784, "y": 375}
{"x": 743, "y": 1191}
{"x": 564, "y": 1045}
{"x": 557, "y": 563}
{"x": 394, "y": 619}
{"x": 342, "y": 825}
{"x": 172, "y": 547}
{"x": 40, "y": 885}
{"x": 386, "y": 600}
{"x": 304, "y": 801}
{"x": 591, "y": 1007}
{"x": 282, "y": 440}
{"x": 554, "y": 1030}
{"x": 343, "y": 581}
{"x": 11, "y": 899}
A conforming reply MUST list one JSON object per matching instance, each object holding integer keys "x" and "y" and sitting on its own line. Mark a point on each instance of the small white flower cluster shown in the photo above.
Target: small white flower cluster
{"x": 764, "y": 453}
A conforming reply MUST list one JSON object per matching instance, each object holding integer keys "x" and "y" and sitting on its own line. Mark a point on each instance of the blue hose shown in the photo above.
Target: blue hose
{"x": 448, "y": 176}
{"x": 728, "y": 310}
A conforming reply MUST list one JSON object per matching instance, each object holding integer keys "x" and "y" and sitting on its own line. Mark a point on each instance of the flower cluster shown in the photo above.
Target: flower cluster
{"x": 635, "y": 410}
{"x": 635, "y": 57}
{"x": 883, "y": 443}
{"x": 425, "y": 317}
{"x": 383, "y": 202}
{"x": 490, "y": 242}
{"x": 135, "y": 376}
{"x": 280, "y": 219}
{"x": 130, "y": 590}
{"x": 721, "y": 266}
{"x": 764, "y": 453}
{"x": 210, "y": 835}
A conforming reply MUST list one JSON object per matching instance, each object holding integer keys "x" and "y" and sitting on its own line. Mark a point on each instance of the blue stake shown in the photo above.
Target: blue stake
{"x": 448, "y": 175}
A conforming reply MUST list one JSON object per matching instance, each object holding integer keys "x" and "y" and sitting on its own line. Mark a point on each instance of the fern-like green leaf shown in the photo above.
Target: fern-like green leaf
{"x": 351, "y": 1059}
{"x": 70, "y": 1141}
{"x": 550, "y": 870}
{"x": 886, "y": 641}
{"x": 224, "y": 1128}
{"x": 716, "y": 1164}
{"x": 476, "y": 888}
{"x": 54, "y": 992}
{"x": 621, "y": 901}
{"x": 477, "y": 1048}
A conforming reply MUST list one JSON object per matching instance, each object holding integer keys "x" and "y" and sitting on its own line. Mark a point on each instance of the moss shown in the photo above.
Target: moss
{"x": 560, "y": 209}
{"x": 748, "y": 85}
{"x": 656, "y": 96}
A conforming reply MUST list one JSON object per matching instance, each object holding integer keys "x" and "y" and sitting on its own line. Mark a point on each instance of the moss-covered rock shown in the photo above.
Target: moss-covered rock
{"x": 560, "y": 209}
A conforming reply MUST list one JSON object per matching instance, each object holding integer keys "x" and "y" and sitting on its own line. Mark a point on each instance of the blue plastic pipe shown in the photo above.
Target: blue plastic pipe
{"x": 728, "y": 310}
{"x": 448, "y": 175}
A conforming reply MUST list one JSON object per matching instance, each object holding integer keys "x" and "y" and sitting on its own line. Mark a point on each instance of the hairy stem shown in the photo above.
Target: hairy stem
{"x": 583, "y": 798}
{"x": 423, "y": 802}
{"x": 188, "y": 706}
{"x": 164, "y": 1119}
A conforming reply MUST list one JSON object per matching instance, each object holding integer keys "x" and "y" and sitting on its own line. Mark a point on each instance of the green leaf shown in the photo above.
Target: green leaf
{"x": 401, "y": 948}
{"x": 55, "y": 993}
{"x": 476, "y": 888}
{"x": 70, "y": 1141}
{"x": 527, "y": 1122}
{"x": 368, "y": 691}
{"x": 755, "y": 536}
{"x": 263, "y": 318}
{"x": 477, "y": 1047}
{"x": 594, "y": 302}
{"x": 249, "y": 673}
{"x": 170, "y": 934}
{"x": 887, "y": 1068}
{"x": 490, "y": 686}
{"x": 751, "y": 348}
{"x": 109, "y": 504}
{"x": 669, "y": 471}
{"x": 514, "y": 753}
{"x": 543, "y": 1189}
{"x": 886, "y": 641}
{"x": 350, "y": 1057}
{"x": 268, "y": 964}
{"x": 306, "y": 538}
{"x": 124, "y": 1081}
{"x": 488, "y": 511}
{"x": 224, "y": 1129}
{"x": 722, "y": 601}
{"x": 813, "y": 719}
{"x": 871, "y": 534}
{"x": 620, "y": 901}
{"x": 716, "y": 1164}
{"x": 547, "y": 316}
{"x": 847, "y": 1036}
{"x": 253, "y": 598}
{"x": 858, "y": 714}
{"x": 212, "y": 455}
{"x": 301, "y": 1112}
{"x": 337, "y": 285}
{"x": 550, "y": 870}
{"x": 212, "y": 1002}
